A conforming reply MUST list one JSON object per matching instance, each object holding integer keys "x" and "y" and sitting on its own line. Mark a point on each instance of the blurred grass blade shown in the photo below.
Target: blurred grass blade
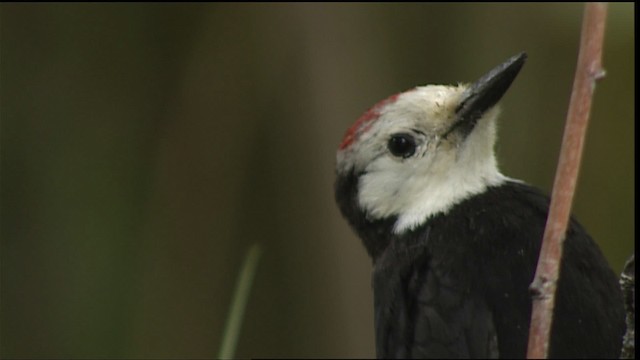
{"x": 239, "y": 303}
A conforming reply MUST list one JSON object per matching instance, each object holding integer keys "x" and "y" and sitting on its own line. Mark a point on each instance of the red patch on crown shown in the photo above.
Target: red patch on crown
{"x": 364, "y": 121}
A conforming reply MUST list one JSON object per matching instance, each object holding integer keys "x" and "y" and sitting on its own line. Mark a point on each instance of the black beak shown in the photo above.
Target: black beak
{"x": 485, "y": 93}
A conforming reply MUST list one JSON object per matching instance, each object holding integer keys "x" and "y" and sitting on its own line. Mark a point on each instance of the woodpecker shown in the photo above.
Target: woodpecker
{"x": 454, "y": 242}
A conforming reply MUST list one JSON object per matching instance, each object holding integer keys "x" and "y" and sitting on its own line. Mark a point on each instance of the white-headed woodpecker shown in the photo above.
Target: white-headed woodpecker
{"x": 454, "y": 242}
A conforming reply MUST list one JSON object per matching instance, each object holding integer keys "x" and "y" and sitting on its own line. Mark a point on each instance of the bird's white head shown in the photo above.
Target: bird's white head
{"x": 418, "y": 153}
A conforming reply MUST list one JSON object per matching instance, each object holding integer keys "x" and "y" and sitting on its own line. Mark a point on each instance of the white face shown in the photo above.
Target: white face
{"x": 442, "y": 171}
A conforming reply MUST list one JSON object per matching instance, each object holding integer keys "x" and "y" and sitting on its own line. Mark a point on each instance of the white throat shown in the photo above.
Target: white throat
{"x": 439, "y": 194}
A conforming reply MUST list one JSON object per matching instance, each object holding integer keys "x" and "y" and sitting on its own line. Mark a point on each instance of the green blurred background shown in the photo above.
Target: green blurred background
{"x": 146, "y": 146}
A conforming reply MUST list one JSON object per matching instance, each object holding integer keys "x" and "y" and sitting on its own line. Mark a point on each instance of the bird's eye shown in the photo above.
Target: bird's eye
{"x": 402, "y": 145}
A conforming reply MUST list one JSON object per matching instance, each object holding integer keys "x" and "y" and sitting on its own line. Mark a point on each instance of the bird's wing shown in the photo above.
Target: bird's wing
{"x": 423, "y": 313}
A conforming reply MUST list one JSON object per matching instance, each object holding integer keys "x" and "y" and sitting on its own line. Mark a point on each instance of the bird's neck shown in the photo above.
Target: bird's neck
{"x": 376, "y": 234}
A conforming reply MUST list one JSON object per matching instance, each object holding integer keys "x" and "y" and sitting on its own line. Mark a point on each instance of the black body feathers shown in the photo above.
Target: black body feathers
{"x": 457, "y": 286}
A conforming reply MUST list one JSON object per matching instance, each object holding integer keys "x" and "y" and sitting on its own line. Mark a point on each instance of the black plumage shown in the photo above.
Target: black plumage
{"x": 457, "y": 285}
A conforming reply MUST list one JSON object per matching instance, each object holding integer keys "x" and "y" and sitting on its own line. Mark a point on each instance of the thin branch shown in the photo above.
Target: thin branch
{"x": 587, "y": 72}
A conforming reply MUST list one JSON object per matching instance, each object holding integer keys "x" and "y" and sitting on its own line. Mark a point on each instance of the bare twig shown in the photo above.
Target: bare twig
{"x": 587, "y": 72}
